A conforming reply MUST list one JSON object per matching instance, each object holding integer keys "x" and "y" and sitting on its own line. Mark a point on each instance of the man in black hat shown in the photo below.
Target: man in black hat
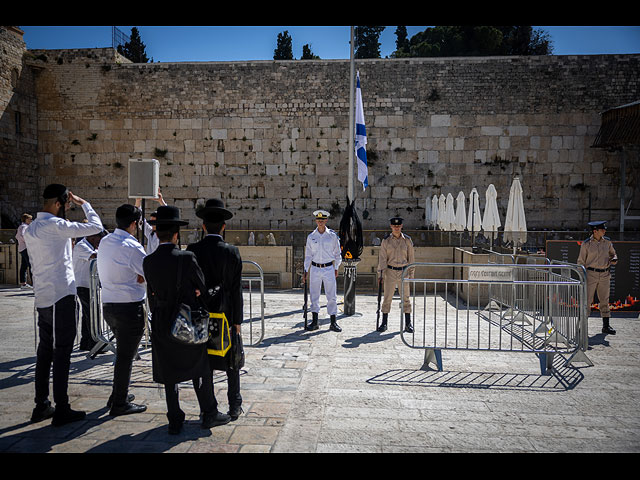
{"x": 48, "y": 239}
{"x": 174, "y": 362}
{"x": 396, "y": 252}
{"x": 597, "y": 255}
{"x": 123, "y": 294}
{"x": 222, "y": 266}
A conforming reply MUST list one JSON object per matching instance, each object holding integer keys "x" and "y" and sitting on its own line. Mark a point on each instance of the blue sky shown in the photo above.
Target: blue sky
{"x": 229, "y": 43}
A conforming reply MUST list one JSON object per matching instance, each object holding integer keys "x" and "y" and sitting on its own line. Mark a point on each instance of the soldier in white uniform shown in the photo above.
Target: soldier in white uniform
{"x": 321, "y": 261}
{"x": 396, "y": 252}
{"x": 597, "y": 255}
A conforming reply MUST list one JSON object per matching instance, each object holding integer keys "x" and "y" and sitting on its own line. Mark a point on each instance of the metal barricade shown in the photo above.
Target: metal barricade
{"x": 101, "y": 332}
{"x": 538, "y": 309}
{"x": 250, "y": 321}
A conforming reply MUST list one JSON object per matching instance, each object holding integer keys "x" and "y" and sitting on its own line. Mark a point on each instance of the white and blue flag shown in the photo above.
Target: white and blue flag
{"x": 361, "y": 138}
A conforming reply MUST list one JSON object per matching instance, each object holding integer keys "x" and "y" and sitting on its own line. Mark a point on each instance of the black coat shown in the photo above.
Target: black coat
{"x": 173, "y": 362}
{"x": 222, "y": 265}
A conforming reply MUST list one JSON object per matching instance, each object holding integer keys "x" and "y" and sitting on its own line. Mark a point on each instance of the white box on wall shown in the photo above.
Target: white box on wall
{"x": 144, "y": 177}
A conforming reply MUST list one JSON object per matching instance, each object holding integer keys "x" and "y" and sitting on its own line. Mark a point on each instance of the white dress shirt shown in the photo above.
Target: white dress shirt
{"x": 82, "y": 252}
{"x": 152, "y": 239}
{"x": 322, "y": 248}
{"x": 20, "y": 236}
{"x": 48, "y": 240}
{"x": 119, "y": 263}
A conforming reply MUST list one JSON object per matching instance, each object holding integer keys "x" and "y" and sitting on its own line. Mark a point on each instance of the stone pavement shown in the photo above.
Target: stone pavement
{"x": 354, "y": 391}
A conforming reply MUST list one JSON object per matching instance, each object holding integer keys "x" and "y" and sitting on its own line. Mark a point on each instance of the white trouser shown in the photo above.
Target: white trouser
{"x": 318, "y": 276}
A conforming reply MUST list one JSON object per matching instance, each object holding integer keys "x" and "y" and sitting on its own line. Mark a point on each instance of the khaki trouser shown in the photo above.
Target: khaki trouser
{"x": 599, "y": 282}
{"x": 391, "y": 280}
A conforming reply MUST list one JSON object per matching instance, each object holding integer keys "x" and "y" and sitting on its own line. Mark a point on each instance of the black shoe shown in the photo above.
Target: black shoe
{"x": 64, "y": 416}
{"x": 126, "y": 409}
{"x": 314, "y": 323}
{"x": 175, "y": 428}
{"x": 383, "y": 325}
{"x": 407, "y": 323}
{"x": 235, "y": 412}
{"x": 42, "y": 412}
{"x": 606, "y": 329}
{"x": 334, "y": 324}
{"x": 210, "y": 421}
{"x": 130, "y": 398}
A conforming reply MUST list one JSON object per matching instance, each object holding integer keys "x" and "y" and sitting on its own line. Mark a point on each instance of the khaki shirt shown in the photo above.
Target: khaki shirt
{"x": 597, "y": 254}
{"x": 397, "y": 252}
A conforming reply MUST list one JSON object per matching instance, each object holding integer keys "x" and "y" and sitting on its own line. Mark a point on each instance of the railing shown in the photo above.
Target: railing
{"x": 249, "y": 323}
{"x": 538, "y": 309}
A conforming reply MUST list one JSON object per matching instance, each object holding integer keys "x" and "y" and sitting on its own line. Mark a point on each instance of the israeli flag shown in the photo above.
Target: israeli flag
{"x": 361, "y": 138}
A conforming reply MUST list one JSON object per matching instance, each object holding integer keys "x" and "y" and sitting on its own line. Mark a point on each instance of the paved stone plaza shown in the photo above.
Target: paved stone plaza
{"x": 354, "y": 391}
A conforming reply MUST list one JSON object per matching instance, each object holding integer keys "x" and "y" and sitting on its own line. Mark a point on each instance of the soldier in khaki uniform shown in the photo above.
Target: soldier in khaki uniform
{"x": 597, "y": 255}
{"x": 396, "y": 252}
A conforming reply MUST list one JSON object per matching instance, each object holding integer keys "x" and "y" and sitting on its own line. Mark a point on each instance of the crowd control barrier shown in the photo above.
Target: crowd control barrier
{"x": 104, "y": 338}
{"x": 508, "y": 307}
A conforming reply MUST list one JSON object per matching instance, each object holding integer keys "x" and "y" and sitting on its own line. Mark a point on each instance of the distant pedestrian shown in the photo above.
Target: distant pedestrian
{"x": 22, "y": 250}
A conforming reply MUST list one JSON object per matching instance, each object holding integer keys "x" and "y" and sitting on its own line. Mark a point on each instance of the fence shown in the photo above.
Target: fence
{"x": 506, "y": 307}
{"x": 101, "y": 332}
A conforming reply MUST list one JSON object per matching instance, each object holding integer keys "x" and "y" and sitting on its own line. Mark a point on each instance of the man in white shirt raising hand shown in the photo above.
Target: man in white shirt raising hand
{"x": 48, "y": 240}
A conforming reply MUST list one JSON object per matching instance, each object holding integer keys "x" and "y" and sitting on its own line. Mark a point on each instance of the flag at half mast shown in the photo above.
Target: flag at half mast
{"x": 361, "y": 138}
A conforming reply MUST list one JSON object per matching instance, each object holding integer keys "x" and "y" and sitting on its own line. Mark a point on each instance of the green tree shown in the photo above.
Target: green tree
{"x": 471, "y": 40}
{"x": 134, "y": 49}
{"x": 366, "y": 42}
{"x": 284, "y": 49}
{"x": 307, "y": 54}
{"x": 402, "y": 42}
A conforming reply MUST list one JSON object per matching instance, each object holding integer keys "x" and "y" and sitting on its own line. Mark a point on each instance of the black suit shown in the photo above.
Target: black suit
{"x": 222, "y": 265}
{"x": 174, "y": 362}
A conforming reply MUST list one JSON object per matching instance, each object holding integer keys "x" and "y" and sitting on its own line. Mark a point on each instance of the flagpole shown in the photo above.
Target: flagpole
{"x": 351, "y": 123}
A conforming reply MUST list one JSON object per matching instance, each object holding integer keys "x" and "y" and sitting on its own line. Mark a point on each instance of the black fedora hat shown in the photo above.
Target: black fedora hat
{"x": 168, "y": 215}
{"x": 214, "y": 210}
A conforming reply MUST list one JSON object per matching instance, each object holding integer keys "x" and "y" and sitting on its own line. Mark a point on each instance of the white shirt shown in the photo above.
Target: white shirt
{"x": 322, "y": 248}
{"x": 48, "y": 240}
{"x": 20, "y": 236}
{"x": 82, "y": 252}
{"x": 152, "y": 238}
{"x": 119, "y": 263}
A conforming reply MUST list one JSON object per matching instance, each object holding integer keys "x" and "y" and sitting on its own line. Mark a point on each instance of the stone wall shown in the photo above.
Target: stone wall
{"x": 271, "y": 137}
{"x": 18, "y": 131}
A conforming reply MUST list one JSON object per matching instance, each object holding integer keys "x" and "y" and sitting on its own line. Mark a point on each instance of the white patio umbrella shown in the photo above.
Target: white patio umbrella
{"x": 442, "y": 211}
{"x": 450, "y": 213}
{"x": 515, "y": 224}
{"x": 427, "y": 212}
{"x": 434, "y": 211}
{"x": 461, "y": 213}
{"x": 474, "y": 218}
{"x": 491, "y": 218}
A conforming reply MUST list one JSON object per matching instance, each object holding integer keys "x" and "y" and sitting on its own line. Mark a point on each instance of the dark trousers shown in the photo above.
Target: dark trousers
{"x": 233, "y": 380}
{"x": 86, "y": 341}
{"x": 127, "y": 324}
{"x": 57, "y": 331}
{"x": 204, "y": 391}
{"x": 24, "y": 265}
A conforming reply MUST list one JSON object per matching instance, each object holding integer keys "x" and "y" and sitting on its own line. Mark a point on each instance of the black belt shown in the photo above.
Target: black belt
{"x": 395, "y": 268}
{"x": 599, "y": 270}
{"x": 321, "y": 265}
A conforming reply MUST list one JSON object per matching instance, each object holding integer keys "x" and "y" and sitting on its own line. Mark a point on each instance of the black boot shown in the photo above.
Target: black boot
{"x": 334, "y": 325}
{"x": 314, "y": 323}
{"x": 606, "y": 328}
{"x": 383, "y": 325}
{"x": 407, "y": 323}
